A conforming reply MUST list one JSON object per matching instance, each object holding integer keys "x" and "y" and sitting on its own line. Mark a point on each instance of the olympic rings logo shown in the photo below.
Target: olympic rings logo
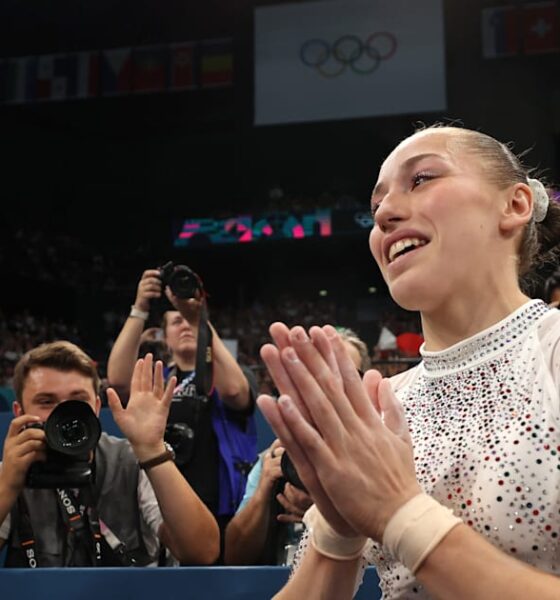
{"x": 348, "y": 51}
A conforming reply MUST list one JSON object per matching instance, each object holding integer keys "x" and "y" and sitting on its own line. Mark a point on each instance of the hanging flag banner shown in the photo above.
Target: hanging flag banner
{"x": 341, "y": 59}
{"x": 533, "y": 28}
{"x": 88, "y": 74}
{"x": 18, "y": 79}
{"x": 57, "y": 77}
{"x": 216, "y": 63}
{"x": 541, "y": 23}
{"x": 182, "y": 66}
{"x": 500, "y": 31}
{"x": 149, "y": 69}
{"x": 116, "y": 71}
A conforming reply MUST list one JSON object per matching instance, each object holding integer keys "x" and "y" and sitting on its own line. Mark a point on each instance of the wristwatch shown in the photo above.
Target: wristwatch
{"x": 169, "y": 454}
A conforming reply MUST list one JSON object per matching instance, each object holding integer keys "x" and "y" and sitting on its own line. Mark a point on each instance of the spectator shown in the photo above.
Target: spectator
{"x": 139, "y": 497}
{"x": 216, "y": 434}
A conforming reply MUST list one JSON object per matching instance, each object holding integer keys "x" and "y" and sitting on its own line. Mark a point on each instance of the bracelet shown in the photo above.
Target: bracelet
{"x": 138, "y": 314}
{"x": 328, "y": 542}
{"x": 169, "y": 454}
{"x": 416, "y": 529}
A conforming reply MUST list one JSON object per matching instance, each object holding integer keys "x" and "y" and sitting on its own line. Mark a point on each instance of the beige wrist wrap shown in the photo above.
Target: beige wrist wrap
{"x": 416, "y": 529}
{"x": 328, "y": 542}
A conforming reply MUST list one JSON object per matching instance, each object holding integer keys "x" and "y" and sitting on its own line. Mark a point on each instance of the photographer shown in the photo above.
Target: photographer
{"x": 213, "y": 434}
{"x": 135, "y": 497}
{"x": 267, "y": 526}
{"x": 268, "y": 522}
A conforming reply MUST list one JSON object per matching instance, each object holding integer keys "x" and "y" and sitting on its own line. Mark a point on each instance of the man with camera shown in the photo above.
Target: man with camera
{"x": 268, "y": 523}
{"x": 211, "y": 423}
{"x": 111, "y": 502}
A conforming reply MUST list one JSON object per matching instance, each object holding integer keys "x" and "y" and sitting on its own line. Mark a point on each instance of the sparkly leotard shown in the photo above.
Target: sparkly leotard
{"x": 485, "y": 421}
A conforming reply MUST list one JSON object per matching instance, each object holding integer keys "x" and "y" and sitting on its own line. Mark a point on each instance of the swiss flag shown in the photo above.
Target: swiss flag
{"x": 541, "y": 28}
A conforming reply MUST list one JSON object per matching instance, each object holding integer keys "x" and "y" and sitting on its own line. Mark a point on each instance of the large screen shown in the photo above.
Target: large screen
{"x": 322, "y": 223}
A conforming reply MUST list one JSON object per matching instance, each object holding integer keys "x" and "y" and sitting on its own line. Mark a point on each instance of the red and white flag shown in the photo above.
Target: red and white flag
{"x": 541, "y": 28}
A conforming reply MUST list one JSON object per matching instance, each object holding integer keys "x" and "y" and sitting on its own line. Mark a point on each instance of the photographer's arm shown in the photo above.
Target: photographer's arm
{"x": 125, "y": 349}
{"x": 246, "y": 533}
{"x": 189, "y": 529}
{"x": 229, "y": 379}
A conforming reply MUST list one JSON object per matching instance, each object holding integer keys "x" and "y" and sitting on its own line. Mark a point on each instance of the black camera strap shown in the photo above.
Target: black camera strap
{"x": 81, "y": 537}
{"x": 25, "y": 532}
{"x": 204, "y": 374}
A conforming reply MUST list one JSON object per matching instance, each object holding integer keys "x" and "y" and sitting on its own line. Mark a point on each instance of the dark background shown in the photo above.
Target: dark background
{"x": 114, "y": 173}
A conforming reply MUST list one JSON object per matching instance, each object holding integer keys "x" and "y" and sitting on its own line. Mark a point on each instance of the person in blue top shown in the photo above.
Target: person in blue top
{"x": 214, "y": 435}
{"x": 268, "y": 523}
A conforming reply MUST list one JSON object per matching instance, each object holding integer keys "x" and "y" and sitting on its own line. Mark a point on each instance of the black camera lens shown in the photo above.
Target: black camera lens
{"x": 72, "y": 433}
{"x": 72, "y": 428}
{"x": 182, "y": 281}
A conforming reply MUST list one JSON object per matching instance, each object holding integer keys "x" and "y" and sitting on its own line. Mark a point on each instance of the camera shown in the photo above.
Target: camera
{"x": 289, "y": 472}
{"x": 182, "y": 281}
{"x": 181, "y": 438}
{"x": 72, "y": 432}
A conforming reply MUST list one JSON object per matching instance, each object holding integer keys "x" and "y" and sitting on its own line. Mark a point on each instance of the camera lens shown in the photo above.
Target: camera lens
{"x": 72, "y": 428}
{"x": 72, "y": 433}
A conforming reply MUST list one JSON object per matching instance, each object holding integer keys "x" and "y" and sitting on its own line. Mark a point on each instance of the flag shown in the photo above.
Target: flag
{"x": 150, "y": 68}
{"x": 17, "y": 80}
{"x": 116, "y": 71}
{"x": 216, "y": 63}
{"x": 500, "y": 31}
{"x": 88, "y": 74}
{"x": 56, "y": 77}
{"x": 316, "y": 61}
{"x": 182, "y": 66}
{"x": 387, "y": 340}
{"x": 541, "y": 28}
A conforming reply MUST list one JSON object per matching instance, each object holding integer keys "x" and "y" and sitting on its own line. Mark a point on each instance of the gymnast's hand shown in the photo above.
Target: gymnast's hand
{"x": 350, "y": 443}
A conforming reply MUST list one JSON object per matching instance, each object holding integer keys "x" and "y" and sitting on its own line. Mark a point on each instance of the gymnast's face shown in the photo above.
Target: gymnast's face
{"x": 436, "y": 221}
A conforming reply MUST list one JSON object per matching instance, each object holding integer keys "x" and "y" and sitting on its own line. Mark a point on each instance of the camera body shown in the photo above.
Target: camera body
{"x": 182, "y": 281}
{"x": 72, "y": 432}
{"x": 181, "y": 438}
{"x": 289, "y": 472}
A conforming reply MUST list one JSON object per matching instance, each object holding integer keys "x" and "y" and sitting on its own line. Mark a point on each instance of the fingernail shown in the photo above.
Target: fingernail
{"x": 330, "y": 331}
{"x": 291, "y": 355}
{"x": 285, "y": 403}
{"x": 300, "y": 335}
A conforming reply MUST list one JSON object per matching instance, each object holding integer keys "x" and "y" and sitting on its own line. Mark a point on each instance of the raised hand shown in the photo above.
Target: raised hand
{"x": 189, "y": 307}
{"x": 362, "y": 461}
{"x": 272, "y": 357}
{"x": 149, "y": 287}
{"x": 144, "y": 419}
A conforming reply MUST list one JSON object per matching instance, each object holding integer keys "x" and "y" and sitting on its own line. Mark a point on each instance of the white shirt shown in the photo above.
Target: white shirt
{"x": 484, "y": 417}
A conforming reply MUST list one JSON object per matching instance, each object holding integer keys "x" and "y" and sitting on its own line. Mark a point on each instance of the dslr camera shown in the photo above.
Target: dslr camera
{"x": 290, "y": 474}
{"x": 182, "y": 281}
{"x": 181, "y": 438}
{"x": 72, "y": 432}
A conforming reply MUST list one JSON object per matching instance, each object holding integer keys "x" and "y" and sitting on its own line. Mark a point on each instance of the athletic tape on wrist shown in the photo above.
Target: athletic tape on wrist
{"x": 416, "y": 529}
{"x": 328, "y": 542}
